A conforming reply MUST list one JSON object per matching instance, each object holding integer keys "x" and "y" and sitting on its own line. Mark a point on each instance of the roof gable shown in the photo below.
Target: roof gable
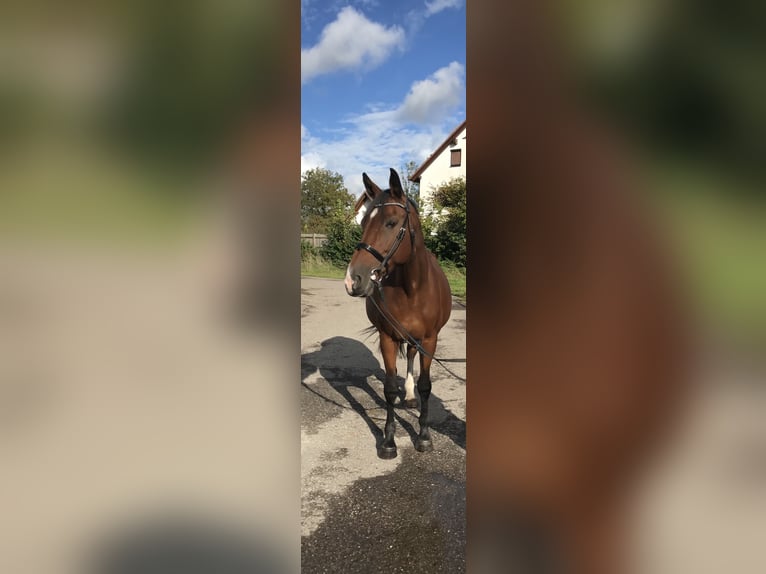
{"x": 429, "y": 160}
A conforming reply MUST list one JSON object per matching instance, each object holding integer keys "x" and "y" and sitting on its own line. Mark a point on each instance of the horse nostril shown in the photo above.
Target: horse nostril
{"x": 357, "y": 280}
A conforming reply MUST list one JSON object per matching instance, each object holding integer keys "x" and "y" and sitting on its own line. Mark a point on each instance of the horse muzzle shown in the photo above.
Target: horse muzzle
{"x": 358, "y": 285}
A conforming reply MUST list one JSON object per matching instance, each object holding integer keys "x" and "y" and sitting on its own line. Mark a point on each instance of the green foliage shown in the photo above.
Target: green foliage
{"x": 314, "y": 265}
{"x": 342, "y": 237}
{"x": 318, "y": 267}
{"x": 456, "y": 278}
{"x": 308, "y": 251}
{"x": 324, "y": 199}
{"x": 445, "y": 229}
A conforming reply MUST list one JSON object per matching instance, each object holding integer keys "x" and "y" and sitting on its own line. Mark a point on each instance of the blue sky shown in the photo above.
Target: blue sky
{"x": 382, "y": 82}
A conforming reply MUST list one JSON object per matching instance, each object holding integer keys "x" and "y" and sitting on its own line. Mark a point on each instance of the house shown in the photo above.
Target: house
{"x": 447, "y": 162}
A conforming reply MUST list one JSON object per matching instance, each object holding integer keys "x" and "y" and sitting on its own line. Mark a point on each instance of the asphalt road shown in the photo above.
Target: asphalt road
{"x": 361, "y": 513}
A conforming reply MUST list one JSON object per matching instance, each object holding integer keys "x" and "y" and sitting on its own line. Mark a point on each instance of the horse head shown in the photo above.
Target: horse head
{"x": 389, "y": 221}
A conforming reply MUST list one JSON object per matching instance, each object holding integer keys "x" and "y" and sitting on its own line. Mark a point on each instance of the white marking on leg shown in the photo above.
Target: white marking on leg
{"x": 409, "y": 382}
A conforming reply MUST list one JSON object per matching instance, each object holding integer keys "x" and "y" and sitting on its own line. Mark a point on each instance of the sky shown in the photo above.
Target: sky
{"x": 382, "y": 83}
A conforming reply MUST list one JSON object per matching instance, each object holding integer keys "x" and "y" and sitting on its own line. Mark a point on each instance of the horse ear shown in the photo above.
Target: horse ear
{"x": 370, "y": 188}
{"x": 395, "y": 184}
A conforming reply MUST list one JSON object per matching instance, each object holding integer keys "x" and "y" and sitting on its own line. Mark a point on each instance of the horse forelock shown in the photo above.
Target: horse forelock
{"x": 365, "y": 206}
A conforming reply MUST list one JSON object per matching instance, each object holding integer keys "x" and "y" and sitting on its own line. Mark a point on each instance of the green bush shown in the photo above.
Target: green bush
{"x": 445, "y": 233}
{"x": 308, "y": 251}
{"x": 342, "y": 237}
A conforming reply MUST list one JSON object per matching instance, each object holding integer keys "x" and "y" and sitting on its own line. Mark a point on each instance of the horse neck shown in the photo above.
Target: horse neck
{"x": 413, "y": 273}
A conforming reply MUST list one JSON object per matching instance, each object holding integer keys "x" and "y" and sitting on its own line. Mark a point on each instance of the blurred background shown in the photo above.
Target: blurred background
{"x": 680, "y": 85}
{"x": 682, "y": 81}
{"x": 148, "y": 240}
{"x": 149, "y": 229}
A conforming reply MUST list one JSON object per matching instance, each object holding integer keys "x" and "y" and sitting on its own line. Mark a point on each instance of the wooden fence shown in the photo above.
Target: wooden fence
{"x": 314, "y": 239}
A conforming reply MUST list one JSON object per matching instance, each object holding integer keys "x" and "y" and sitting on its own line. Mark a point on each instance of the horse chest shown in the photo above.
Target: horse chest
{"x": 406, "y": 317}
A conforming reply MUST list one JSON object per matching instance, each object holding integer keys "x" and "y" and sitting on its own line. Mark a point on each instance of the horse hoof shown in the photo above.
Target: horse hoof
{"x": 387, "y": 452}
{"x": 422, "y": 445}
{"x": 410, "y": 403}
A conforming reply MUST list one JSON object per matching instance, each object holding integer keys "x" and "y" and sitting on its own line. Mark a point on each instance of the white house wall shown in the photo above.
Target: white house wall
{"x": 439, "y": 171}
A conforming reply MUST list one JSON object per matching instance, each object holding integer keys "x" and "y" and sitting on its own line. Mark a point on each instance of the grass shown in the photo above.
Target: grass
{"x": 315, "y": 266}
{"x": 456, "y": 277}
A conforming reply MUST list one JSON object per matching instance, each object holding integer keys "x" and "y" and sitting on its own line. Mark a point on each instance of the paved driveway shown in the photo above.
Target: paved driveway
{"x": 361, "y": 513}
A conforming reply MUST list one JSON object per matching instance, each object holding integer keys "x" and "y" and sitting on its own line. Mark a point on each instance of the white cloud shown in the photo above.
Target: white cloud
{"x": 310, "y": 161}
{"x": 388, "y": 135}
{"x": 370, "y": 144}
{"x": 350, "y": 42}
{"x": 438, "y": 5}
{"x": 430, "y": 99}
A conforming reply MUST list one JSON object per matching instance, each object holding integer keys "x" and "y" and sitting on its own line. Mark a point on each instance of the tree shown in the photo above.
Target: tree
{"x": 342, "y": 237}
{"x": 324, "y": 197}
{"x": 448, "y": 222}
{"x": 411, "y": 188}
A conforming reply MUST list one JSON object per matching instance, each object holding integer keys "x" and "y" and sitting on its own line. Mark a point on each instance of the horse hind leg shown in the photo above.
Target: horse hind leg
{"x": 409, "y": 383}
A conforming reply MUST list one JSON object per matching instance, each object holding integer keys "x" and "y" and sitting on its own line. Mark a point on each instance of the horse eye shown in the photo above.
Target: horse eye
{"x": 390, "y": 223}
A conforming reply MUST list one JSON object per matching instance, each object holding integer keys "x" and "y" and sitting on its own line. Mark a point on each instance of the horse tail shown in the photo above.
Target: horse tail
{"x": 372, "y": 330}
{"x": 369, "y": 331}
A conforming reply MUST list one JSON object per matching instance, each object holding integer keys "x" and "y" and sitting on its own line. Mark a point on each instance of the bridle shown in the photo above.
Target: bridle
{"x": 381, "y": 271}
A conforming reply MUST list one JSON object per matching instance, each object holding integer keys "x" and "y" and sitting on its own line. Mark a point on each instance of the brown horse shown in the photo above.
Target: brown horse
{"x": 408, "y": 297}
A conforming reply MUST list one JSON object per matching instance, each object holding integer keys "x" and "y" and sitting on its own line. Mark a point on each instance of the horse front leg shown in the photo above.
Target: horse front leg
{"x": 389, "y": 347}
{"x": 423, "y": 442}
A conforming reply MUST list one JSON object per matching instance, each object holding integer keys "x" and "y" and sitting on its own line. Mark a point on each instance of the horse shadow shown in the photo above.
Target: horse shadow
{"x": 358, "y": 363}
